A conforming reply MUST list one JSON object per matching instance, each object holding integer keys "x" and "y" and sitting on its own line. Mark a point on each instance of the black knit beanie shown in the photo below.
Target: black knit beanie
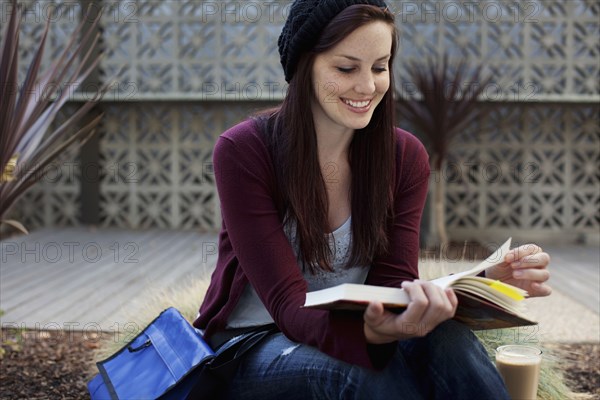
{"x": 304, "y": 25}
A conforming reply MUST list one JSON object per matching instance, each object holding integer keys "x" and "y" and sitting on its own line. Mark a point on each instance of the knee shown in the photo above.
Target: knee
{"x": 453, "y": 330}
{"x": 453, "y": 339}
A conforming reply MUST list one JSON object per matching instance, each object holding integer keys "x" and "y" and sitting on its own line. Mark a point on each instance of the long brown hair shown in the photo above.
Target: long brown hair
{"x": 292, "y": 141}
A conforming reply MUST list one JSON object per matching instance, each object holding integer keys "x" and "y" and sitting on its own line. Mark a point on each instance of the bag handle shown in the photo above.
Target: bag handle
{"x": 142, "y": 346}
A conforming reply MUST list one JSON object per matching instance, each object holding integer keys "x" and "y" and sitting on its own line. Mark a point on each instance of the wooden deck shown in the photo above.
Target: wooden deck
{"x": 86, "y": 278}
{"x": 575, "y": 271}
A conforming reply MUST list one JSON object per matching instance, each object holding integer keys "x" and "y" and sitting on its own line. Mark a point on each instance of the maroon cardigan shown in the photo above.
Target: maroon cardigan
{"x": 253, "y": 248}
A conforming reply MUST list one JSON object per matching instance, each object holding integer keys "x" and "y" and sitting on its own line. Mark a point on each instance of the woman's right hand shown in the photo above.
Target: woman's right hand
{"x": 429, "y": 306}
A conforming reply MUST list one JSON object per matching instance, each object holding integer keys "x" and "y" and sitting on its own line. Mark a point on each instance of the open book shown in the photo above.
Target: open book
{"x": 482, "y": 303}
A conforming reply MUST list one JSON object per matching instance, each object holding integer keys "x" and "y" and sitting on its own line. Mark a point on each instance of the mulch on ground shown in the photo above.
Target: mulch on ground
{"x": 581, "y": 365}
{"x": 46, "y": 364}
{"x": 58, "y": 364}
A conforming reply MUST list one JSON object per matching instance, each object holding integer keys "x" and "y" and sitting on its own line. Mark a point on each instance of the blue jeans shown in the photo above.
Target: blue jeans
{"x": 449, "y": 363}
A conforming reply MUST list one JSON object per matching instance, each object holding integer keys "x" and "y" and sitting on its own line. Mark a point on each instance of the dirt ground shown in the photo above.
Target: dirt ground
{"x": 57, "y": 365}
{"x": 46, "y": 364}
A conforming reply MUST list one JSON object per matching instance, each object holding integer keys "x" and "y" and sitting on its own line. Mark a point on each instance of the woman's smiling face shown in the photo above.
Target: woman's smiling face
{"x": 350, "y": 79}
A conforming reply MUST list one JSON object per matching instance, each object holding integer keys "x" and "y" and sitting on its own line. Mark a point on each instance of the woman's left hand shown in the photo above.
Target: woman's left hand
{"x": 525, "y": 267}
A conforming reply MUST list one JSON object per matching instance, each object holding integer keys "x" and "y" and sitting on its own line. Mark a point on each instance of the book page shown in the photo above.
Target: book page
{"x": 481, "y": 289}
{"x": 494, "y": 259}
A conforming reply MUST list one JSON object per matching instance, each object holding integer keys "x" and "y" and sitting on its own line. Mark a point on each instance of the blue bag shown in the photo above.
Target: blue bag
{"x": 155, "y": 363}
{"x": 169, "y": 360}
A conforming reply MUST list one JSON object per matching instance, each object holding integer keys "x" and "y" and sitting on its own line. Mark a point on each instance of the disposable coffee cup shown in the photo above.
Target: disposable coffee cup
{"x": 519, "y": 366}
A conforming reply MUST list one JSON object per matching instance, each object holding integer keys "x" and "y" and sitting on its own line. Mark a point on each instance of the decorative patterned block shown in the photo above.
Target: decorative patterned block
{"x": 536, "y": 170}
{"x": 547, "y": 210}
{"x": 528, "y": 166}
{"x": 462, "y": 209}
{"x": 158, "y": 167}
{"x": 504, "y": 209}
{"x": 585, "y": 211}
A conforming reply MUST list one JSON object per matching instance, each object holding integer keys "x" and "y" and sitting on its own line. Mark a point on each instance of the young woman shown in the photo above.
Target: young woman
{"x": 325, "y": 190}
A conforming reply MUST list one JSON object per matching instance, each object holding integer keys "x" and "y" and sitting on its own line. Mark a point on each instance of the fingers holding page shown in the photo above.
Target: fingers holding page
{"x": 536, "y": 274}
{"x": 418, "y": 302}
{"x": 540, "y": 259}
{"x": 518, "y": 253}
{"x": 534, "y": 279}
{"x": 440, "y": 306}
{"x": 539, "y": 289}
{"x": 526, "y": 267}
{"x": 429, "y": 306}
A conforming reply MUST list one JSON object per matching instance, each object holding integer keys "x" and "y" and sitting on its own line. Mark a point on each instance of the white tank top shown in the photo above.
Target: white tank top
{"x": 250, "y": 310}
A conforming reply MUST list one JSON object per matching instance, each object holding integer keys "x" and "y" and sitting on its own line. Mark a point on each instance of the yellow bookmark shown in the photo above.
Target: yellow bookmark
{"x": 508, "y": 290}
